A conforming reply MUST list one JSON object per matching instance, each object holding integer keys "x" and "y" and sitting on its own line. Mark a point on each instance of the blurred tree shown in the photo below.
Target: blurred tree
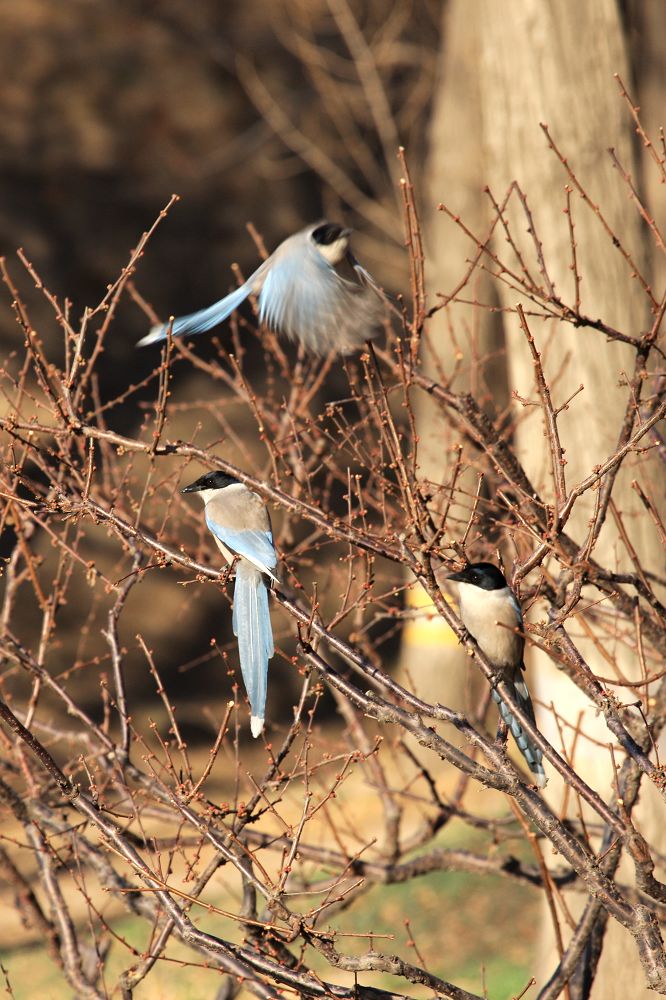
{"x": 508, "y": 67}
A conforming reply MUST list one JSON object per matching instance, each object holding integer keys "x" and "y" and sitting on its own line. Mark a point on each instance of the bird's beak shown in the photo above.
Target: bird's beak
{"x": 192, "y": 488}
{"x": 459, "y": 577}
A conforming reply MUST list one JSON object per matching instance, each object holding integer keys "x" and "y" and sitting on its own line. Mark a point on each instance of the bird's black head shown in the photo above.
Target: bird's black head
{"x": 210, "y": 481}
{"x": 483, "y": 575}
{"x": 329, "y": 232}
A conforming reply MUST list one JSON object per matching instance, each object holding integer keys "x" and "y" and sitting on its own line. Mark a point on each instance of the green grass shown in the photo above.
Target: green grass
{"x": 469, "y": 929}
{"x": 460, "y": 923}
{"x": 474, "y": 931}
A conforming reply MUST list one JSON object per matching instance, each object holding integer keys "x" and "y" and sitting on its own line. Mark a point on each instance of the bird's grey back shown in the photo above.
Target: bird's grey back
{"x": 238, "y": 509}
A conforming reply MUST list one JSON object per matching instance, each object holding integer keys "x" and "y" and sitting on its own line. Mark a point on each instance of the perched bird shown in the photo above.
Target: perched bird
{"x": 240, "y": 523}
{"x": 491, "y": 614}
{"x": 301, "y": 294}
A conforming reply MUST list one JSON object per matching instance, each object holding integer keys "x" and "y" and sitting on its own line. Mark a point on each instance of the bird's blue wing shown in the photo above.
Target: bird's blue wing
{"x": 304, "y": 297}
{"x": 299, "y": 290}
{"x": 255, "y": 546}
{"x": 200, "y": 321}
{"x": 278, "y": 288}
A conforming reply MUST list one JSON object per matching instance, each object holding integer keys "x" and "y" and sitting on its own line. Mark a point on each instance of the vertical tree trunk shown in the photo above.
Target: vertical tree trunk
{"x": 532, "y": 61}
{"x": 455, "y": 176}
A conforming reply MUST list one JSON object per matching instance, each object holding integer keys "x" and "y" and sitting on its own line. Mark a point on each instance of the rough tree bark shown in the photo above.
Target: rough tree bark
{"x": 509, "y": 67}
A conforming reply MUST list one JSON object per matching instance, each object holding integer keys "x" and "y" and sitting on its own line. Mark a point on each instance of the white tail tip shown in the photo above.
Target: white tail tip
{"x": 155, "y": 334}
{"x": 256, "y": 725}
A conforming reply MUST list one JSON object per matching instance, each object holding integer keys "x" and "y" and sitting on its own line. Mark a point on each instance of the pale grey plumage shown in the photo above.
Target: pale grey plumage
{"x": 491, "y": 614}
{"x": 301, "y": 294}
{"x": 240, "y": 524}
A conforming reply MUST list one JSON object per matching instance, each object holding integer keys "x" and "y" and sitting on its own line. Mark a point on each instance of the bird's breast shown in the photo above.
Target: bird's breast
{"x": 492, "y": 621}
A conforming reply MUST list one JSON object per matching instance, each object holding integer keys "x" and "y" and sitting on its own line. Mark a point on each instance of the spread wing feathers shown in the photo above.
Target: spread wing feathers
{"x": 305, "y": 298}
{"x": 254, "y": 545}
{"x": 252, "y": 626}
{"x": 201, "y": 321}
{"x": 530, "y": 752}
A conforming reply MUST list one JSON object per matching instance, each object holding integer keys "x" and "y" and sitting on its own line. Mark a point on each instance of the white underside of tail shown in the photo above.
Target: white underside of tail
{"x": 256, "y": 725}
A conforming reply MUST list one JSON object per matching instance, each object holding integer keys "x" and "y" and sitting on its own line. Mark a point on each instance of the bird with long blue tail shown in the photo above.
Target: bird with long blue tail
{"x": 241, "y": 526}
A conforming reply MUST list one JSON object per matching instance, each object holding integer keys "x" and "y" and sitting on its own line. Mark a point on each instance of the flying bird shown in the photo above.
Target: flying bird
{"x": 491, "y": 614}
{"x": 301, "y": 293}
{"x": 240, "y": 523}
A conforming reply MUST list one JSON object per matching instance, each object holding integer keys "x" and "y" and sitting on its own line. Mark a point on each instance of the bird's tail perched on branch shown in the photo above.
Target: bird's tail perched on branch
{"x": 530, "y": 752}
{"x": 252, "y": 626}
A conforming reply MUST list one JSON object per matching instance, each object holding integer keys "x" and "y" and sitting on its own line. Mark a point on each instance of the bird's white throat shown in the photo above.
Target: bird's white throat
{"x": 334, "y": 252}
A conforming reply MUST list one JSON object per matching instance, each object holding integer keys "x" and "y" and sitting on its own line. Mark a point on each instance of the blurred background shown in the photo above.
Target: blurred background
{"x": 276, "y": 114}
{"x": 272, "y": 115}
{"x": 251, "y": 112}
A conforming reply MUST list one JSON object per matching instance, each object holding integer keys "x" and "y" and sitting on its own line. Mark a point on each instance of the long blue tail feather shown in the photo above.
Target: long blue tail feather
{"x": 252, "y": 626}
{"x": 530, "y": 752}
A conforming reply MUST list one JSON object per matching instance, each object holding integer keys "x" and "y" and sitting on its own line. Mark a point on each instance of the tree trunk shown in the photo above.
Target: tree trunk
{"x": 511, "y": 66}
{"x": 455, "y": 176}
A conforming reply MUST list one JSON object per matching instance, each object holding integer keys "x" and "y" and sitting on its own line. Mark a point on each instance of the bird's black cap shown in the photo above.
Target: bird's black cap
{"x": 328, "y": 232}
{"x": 210, "y": 481}
{"x": 484, "y": 575}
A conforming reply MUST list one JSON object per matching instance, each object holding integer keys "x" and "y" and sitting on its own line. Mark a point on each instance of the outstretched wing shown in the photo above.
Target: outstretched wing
{"x": 304, "y": 297}
{"x": 199, "y": 322}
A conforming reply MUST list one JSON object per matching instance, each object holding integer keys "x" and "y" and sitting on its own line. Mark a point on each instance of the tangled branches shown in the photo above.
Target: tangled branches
{"x": 101, "y": 801}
